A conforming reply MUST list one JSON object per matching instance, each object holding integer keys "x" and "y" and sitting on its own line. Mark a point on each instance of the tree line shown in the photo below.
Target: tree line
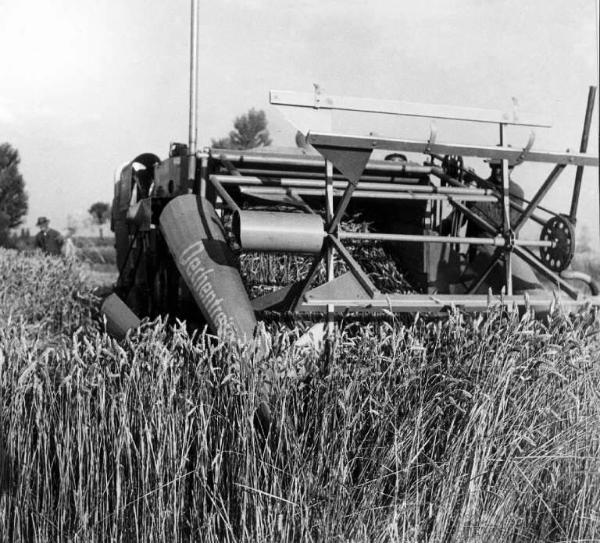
{"x": 249, "y": 131}
{"x": 13, "y": 198}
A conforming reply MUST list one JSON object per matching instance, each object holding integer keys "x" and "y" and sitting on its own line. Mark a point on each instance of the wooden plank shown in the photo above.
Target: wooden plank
{"x": 414, "y": 146}
{"x": 439, "y": 303}
{"x": 397, "y": 107}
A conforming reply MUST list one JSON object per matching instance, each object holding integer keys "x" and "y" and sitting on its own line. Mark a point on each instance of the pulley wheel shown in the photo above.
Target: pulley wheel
{"x": 562, "y": 232}
{"x": 453, "y": 165}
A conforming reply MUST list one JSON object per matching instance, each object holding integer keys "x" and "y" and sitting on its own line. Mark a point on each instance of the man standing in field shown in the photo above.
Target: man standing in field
{"x": 47, "y": 239}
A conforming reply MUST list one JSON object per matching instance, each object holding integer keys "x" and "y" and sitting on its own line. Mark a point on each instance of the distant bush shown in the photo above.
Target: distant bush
{"x": 93, "y": 241}
{"x": 101, "y": 254}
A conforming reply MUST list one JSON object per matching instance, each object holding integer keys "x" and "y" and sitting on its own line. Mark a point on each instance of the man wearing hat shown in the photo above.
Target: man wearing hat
{"x": 47, "y": 239}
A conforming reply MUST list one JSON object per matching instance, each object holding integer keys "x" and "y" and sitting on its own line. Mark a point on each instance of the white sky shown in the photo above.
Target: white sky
{"x": 87, "y": 85}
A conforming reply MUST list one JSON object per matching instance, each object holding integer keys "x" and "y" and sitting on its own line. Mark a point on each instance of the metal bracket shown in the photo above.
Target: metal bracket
{"x": 433, "y": 133}
{"x": 526, "y": 149}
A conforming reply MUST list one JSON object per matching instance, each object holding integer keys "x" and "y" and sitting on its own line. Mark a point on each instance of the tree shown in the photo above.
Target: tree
{"x": 250, "y": 132}
{"x": 13, "y": 198}
{"x": 100, "y": 212}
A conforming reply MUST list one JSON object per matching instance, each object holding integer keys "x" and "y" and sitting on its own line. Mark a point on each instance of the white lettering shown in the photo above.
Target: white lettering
{"x": 194, "y": 250}
{"x": 191, "y": 264}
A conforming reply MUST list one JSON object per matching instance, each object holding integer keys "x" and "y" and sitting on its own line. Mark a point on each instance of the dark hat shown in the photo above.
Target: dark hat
{"x": 42, "y": 220}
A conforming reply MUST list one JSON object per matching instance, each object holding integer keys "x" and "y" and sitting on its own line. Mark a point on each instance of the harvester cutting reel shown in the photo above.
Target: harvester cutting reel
{"x": 494, "y": 211}
{"x": 558, "y": 232}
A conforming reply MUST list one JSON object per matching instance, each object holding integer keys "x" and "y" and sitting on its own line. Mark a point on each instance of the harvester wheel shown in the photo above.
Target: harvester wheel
{"x": 561, "y": 231}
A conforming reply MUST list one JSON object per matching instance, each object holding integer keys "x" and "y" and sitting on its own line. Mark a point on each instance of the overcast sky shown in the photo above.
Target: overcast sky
{"x": 87, "y": 85}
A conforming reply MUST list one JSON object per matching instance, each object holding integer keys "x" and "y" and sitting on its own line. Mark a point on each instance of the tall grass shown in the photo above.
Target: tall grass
{"x": 481, "y": 428}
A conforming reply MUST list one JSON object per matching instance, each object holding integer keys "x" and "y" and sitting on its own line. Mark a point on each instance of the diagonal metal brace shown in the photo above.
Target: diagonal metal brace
{"x": 222, "y": 192}
{"x": 496, "y": 257}
{"x": 354, "y": 266}
{"x": 482, "y": 223}
{"x": 305, "y": 283}
{"x": 539, "y": 196}
{"x": 341, "y": 209}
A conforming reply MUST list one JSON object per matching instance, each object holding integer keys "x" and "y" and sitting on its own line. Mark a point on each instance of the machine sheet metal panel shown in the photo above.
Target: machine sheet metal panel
{"x": 195, "y": 237}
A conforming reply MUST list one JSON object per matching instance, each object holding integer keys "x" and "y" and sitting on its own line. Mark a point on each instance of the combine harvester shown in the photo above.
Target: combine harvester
{"x": 456, "y": 236}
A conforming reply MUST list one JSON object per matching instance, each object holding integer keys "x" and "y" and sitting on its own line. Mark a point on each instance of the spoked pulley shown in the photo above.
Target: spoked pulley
{"x": 453, "y": 165}
{"x": 560, "y": 230}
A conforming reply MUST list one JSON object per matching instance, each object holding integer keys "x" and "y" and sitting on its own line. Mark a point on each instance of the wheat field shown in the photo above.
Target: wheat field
{"x": 474, "y": 428}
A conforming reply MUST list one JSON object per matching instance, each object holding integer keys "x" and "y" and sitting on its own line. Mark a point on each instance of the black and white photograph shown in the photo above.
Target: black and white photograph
{"x": 309, "y": 271}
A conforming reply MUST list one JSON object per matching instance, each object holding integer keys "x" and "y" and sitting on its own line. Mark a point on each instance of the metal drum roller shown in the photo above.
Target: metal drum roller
{"x": 274, "y": 231}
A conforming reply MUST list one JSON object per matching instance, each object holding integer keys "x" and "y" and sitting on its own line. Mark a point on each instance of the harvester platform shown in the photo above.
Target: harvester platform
{"x": 456, "y": 237}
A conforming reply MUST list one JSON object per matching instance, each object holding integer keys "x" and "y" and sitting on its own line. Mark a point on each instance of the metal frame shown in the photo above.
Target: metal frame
{"x": 344, "y": 163}
{"x": 501, "y": 238}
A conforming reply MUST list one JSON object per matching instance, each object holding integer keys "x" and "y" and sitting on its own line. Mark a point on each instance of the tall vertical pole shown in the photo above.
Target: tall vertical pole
{"x": 582, "y": 149}
{"x": 329, "y": 265}
{"x": 506, "y": 226}
{"x": 329, "y": 261}
{"x": 598, "y": 77}
{"x": 193, "y": 119}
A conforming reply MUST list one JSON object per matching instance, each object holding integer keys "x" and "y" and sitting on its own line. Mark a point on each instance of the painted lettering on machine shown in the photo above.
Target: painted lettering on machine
{"x": 199, "y": 280}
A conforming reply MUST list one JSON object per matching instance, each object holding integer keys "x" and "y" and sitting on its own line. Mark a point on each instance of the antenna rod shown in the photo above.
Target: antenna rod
{"x": 193, "y": 120}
